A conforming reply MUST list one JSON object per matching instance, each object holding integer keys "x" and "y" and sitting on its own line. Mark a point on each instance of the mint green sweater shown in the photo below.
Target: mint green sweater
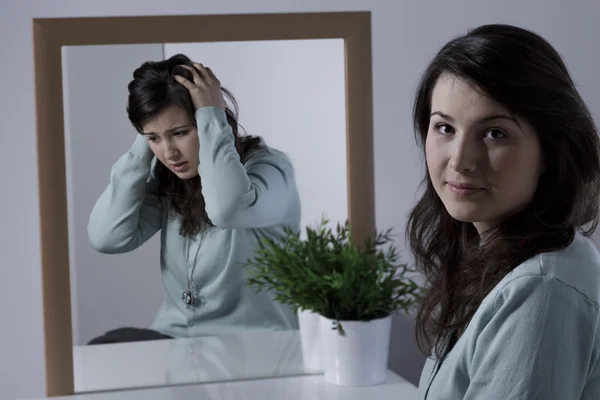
{"x": 244, "y": 201}
{"x": 536, "y": 336}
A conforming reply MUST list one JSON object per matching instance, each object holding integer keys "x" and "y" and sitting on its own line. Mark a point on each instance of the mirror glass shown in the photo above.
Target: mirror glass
{"x": 131, "y": 267}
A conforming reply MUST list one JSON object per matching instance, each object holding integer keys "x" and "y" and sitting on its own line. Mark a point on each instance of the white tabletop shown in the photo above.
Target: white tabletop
{"x": 249, "y": 365}
{"x": 310, "y": 387}
{"x": 248, "y": 355}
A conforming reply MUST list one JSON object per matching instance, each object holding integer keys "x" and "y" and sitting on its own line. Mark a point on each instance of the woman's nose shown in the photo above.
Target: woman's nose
{"x": 171, "y": 151}
{"x": 465, "y": 155}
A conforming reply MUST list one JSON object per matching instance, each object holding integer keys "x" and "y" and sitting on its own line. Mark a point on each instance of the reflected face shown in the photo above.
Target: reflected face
{"x": 484, "y": 162}
{"x": 174, "y": 141}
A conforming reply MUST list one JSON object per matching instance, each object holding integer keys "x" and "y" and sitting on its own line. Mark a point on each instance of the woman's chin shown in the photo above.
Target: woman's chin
{"x": 464, "y": 214}
{"x": 185, "y": 175}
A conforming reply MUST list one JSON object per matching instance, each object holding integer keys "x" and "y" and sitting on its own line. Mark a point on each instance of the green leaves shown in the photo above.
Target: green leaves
{"x": 328, "y": 274}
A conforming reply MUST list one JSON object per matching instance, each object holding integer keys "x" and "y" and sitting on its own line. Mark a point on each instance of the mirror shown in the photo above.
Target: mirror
{"x": 291, "y": 93}
{"x": 65, "y": 171}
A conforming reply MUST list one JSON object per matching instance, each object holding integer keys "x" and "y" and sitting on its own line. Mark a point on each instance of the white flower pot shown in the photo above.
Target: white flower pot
{"x": 310, "y": 330}
{"x": 360, "y": 358}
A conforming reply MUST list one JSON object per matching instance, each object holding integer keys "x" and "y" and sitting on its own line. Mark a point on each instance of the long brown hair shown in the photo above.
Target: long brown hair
{"x": 523, "y": 71}
{"x": 152, "y": 90}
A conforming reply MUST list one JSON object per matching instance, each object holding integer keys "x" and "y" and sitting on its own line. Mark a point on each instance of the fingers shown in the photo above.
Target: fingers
{"x": 205, "y": 72}
{"x": 189, "y": 85}
{"x": 186, "y": 83}
{"x": 198, "y": 79}
{"x": 201, "y": 68}
{"x": 200, "y": 74}
{"x": 204, "y": 81}
{"x": 211, "y": 74}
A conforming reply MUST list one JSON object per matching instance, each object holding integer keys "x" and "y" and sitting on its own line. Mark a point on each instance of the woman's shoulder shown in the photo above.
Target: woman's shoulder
{"x": 574, "y": 270}
{"x": 263, "y": 153}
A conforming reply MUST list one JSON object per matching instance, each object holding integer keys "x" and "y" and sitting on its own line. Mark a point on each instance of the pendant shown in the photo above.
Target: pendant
{"x": 188, "y": 299}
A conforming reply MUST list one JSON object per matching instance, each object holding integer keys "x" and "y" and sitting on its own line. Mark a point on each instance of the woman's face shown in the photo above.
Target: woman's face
{"x": 484, "y": 162}
{"x": 173, "y": 139}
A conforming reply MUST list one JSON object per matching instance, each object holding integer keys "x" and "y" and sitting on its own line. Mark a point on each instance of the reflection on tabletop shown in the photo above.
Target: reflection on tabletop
{"x": 308, "y": 387}
{"x": 242, "y": 356}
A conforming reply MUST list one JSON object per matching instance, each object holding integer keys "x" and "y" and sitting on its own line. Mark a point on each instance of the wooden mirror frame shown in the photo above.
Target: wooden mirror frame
{"x": 50, "y": 34}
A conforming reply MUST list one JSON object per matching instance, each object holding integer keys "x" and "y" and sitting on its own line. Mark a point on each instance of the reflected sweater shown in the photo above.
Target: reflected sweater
{"x": 536, "y": 336}
{"x": 245, "y": 201}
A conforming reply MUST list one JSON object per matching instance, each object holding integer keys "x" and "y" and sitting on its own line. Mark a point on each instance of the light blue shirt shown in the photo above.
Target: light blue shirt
{"x": 535, "y": 336}
{"x": 244, "y": 201}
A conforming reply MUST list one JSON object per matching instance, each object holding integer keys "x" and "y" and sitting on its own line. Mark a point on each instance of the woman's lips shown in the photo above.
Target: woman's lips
{"x": 180, "y": 167}
{"x": 464, "y": 190}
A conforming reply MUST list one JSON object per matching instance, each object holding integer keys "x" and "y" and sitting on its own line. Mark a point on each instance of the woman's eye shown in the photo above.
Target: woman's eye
{"x": 444, "y": 129}
{"x": 179, "y": 133}
{"x": 495, "y": 134}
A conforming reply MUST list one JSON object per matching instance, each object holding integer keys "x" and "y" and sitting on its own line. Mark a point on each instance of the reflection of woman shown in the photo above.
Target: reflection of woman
{"x": 513, "y": 178}
{"x": 211, "y": 192}
{"x": 234, "y": 357}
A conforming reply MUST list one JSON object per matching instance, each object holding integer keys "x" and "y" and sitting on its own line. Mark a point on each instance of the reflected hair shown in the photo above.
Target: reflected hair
{"x": 521, "y": 70}
{"x": 152, "y": 90}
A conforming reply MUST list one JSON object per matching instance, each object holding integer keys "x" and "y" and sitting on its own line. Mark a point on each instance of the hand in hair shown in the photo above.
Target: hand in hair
{"x": 205, "y": 89}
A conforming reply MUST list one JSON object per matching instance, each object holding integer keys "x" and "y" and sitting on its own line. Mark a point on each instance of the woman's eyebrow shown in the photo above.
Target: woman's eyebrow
{"x": 484, "y": 119}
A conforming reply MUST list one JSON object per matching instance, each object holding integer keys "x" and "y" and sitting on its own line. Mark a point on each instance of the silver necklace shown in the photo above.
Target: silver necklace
{"x": 189, "y": 296}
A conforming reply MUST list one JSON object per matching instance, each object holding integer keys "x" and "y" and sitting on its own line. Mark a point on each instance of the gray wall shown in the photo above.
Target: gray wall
{"x": 98, "y": 132}
{"x": 405, "y": 35}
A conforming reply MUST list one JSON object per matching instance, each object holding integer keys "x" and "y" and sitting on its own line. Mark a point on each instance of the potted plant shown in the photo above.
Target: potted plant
{"x": 354, "y": 289}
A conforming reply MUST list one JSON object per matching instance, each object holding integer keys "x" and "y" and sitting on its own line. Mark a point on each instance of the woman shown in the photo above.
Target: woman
{"x": 511, "y": 190}
{"x": 210, "y": 192}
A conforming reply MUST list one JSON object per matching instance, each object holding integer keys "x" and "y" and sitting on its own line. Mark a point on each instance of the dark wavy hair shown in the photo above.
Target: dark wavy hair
{"x": 154, "y": 89}
{"x": 521, "y": 70}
